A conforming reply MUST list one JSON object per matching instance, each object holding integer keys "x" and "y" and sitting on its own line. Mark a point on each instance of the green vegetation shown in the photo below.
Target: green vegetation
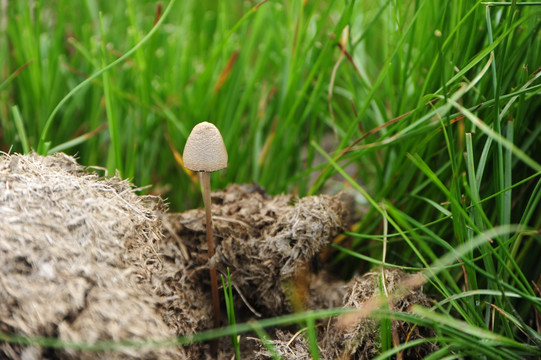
{"x": 230, "y": 308}
{"x": 431, "y": 114}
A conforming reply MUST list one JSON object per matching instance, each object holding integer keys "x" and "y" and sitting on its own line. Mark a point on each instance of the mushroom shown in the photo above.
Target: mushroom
{"x": 205, "y": 152}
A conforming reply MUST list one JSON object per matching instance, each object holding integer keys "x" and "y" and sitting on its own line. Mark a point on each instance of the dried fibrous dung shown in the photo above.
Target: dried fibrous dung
{"x": 85, "y": 259}
{"x": 74, "y": 248}
{"x": 269, "y": 244}
{"x": 357, "y": 336}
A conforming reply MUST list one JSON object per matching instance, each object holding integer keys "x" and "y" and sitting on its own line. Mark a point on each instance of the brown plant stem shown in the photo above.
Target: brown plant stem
{"x": 205, "y": 182}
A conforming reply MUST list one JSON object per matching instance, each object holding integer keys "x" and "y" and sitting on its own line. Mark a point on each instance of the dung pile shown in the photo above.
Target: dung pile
{"x": 357, "y": 335}
{"x": 85, "y": 259}
{"x": 267, "y": 243}
{"x": 67, "y": 270}
{"x": 270, "y": 246}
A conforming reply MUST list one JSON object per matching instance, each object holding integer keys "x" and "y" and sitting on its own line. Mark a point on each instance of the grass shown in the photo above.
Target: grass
{"x": 434, "y": 105}
{"x": 230, "y": 307}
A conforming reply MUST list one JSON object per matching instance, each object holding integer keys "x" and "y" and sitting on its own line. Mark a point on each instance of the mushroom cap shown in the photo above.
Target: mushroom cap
{"x": 205, "y": 149}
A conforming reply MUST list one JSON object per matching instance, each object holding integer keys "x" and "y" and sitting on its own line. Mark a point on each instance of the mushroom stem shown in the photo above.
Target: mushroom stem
{"x": 205, "y": 182}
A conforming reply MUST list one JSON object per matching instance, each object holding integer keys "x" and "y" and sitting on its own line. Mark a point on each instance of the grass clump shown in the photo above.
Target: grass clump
{"x": 428, "y": 110}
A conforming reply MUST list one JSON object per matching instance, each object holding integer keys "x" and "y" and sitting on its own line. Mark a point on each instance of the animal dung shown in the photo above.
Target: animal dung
{"x": 91, "y": 270}
{"x": 71, "y": 260}
{"x": 264, "y": 241}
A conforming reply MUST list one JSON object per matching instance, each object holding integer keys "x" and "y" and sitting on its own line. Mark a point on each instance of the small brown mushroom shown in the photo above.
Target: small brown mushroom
{"x": 205, "y": 152}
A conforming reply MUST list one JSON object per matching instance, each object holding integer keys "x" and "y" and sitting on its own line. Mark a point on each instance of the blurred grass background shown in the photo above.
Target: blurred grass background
{"x": 432, "y": 107}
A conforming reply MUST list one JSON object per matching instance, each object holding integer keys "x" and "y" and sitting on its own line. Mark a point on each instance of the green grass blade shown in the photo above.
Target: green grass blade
{"x": 20, "y": 128}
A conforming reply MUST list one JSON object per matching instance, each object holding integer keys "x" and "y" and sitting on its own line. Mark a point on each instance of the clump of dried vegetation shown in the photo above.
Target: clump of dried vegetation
{"x": 86, "y": 259}
{"x": 74, "y": 249}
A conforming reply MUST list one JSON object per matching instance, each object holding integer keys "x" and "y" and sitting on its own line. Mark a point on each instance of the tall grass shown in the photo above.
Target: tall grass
{"x": 432, "y": 107}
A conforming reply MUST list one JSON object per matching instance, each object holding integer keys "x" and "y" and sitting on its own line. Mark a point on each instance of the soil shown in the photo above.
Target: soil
{"x": 85, "y": 259}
